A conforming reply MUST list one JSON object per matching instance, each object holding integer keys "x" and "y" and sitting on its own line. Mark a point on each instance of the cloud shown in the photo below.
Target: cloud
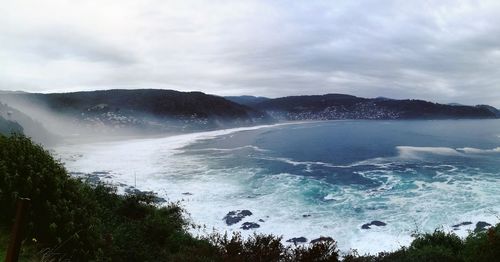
{"x": 445, "y": 51}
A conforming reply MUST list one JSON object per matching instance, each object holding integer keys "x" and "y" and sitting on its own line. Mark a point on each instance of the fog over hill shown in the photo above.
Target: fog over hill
{"x": 132, "y": 112}
{"x": 15, "y": 121}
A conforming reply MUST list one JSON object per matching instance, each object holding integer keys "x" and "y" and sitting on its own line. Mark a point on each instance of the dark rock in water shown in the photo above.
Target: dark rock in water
{"x": 76, "y": 173}
{"x": 100, "y": 173}
{"x": 321, "y": 239}
{"x": 249, "y": 225}
{"x": 373, "y": 223}
{"x": 261, "y": 220}
{"x": 462, "y": 224}
{"x": 187, "y": 194}
{"x": 378, "y": 223}
{"x": 366, "y": 226}
{"x": 296, "y": 240}
{"x": 481, "y": 226}
{"x": 306, "y": 215}
{"x": 234, "y": 217}
{"x": 93, "y": 179}
{"x": 134, "y": 191}
{"x": 160, "y": 200}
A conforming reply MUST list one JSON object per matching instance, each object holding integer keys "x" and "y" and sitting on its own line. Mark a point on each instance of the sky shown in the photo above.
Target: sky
{"x": 443, "y": 51}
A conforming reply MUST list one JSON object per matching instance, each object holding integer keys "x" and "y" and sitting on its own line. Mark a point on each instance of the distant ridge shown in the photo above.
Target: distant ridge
{"x": 247, "y": 100}
{"x": 342, "y": 106}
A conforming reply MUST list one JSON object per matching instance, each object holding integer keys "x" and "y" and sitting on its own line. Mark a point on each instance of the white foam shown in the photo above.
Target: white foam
{"x": 255, "y": 148}
{"x": 415, "y": 152}
{"x": 471, "y": 150}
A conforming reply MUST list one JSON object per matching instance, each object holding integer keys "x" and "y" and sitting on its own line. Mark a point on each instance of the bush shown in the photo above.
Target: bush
{"x": 80, "y": 222}
{"x": 270, "y": 248}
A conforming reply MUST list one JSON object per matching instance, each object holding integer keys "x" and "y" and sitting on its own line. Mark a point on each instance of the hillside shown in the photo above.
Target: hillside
{"x": 340, "y": 106}
{"x": 151, "y": 110}
{"x": 15, "y": 121}
{"x": 8, "y": 127}
{"x": 247, "y": 100}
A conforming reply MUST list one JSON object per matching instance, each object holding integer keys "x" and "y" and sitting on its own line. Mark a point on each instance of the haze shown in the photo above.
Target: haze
{"x": 443, "y": 51}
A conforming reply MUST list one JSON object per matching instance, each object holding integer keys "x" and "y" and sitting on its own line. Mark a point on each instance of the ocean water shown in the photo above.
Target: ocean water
{"x": 317, "y": 178}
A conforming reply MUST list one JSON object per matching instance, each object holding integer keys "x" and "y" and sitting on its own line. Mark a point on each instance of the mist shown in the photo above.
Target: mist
{"x": 114, "y": 114}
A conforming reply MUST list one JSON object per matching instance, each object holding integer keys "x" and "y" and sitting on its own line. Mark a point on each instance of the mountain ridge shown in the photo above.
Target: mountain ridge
{"x": 343, "y": 106}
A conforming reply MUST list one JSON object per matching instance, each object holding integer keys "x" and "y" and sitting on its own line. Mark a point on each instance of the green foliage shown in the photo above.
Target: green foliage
{"x": 441, "y": 246}
{"x": 76, "y": 221}
{"x": 270, "y": 248}
{"x": 483, "y": 246}
{"x": 58, "y": 213}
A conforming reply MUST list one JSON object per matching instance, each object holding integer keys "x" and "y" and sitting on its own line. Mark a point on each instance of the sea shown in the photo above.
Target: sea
{"x": 312, "y": 179}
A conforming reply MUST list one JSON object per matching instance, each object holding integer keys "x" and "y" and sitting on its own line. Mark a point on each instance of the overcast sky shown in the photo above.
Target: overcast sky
{"x": 444, "y": 51}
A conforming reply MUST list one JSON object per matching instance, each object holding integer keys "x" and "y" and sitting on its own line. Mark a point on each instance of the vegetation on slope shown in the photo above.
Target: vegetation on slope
{"x": 8, "y": 127}
{"x": 340, "y": 106}
{"x": 15, "y": 121}
{"x": 70, "y": 219}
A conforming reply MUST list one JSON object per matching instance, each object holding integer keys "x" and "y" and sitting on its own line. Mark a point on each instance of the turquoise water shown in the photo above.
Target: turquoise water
{"x": 321, "y": 178}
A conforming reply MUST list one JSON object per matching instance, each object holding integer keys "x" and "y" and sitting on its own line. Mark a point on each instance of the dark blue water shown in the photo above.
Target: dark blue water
{"x": 335, "y": 151}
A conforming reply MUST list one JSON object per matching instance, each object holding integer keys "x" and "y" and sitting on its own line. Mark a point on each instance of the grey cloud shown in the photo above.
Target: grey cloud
{"x": 445, "y": 51}
{"x": 64, "y": 43}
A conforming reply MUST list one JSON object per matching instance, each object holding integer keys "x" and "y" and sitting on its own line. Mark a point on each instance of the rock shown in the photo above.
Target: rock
{"x": 249, "y": 225}
{"x": 234, "y": 217}
{"x": 373, "y": 223}
{"x": 378, "y": 223}
{"x": 366, "y": 226}
{"x": 296, "y": 240}
{"x": 481, "y": 226}
{"x": 462, "y": 224}
{"x": 261, "y": 220}
{"x": 101, "y": 173}
{"x": 321, "y": 239}
{"x": 134, "y": 191}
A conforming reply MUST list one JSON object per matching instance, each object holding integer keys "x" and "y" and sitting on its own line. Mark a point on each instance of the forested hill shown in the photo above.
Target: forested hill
{"x": 340, "y": 106}
{"x": 151, "y": 101}
{"x": 247, "y": 100}
{"x": 146, "y": 109}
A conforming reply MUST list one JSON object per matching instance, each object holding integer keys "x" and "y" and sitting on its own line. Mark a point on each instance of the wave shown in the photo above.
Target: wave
{"x": 471, "y": 150}
{"x": 255, "y": 148}
{"x": 415, "y": 152}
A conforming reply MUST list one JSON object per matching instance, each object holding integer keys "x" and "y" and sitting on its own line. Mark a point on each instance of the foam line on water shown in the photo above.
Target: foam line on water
{"x": 403, "y": 197}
